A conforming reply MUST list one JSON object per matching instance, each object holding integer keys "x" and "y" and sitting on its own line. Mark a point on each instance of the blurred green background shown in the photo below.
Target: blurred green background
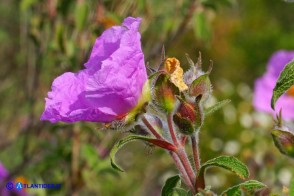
{"x": 42, "y": 39}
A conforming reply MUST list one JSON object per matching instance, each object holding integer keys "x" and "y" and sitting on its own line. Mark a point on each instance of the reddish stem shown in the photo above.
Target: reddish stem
{"x": 171, "y": 129}
{"x": 200, "y": 182}
{"x": 183, "y": 140}
{"x": 181, "y": 151}
{"x": 150, "y": 127}
{"x": 182, "y": 170}
{"x": 178, "y": 154}
{"x": 186, "y": 163}
{"x": 195, "y": 148}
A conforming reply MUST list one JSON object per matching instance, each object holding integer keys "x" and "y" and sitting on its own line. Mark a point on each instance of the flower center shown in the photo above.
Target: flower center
{"x": 290, "y": 92}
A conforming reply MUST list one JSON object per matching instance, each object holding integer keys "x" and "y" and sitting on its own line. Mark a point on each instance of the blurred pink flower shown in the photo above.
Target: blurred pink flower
{"x": 3, "y": 181}
{"x": 3, "y": 175}
{"x": 264, "y": 87}
{"x": 3, "y": 172}
{"x": 109, "y": 86}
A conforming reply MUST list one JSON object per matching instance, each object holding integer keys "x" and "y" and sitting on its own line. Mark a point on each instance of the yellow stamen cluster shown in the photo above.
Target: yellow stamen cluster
{"x": 173, "y": 67}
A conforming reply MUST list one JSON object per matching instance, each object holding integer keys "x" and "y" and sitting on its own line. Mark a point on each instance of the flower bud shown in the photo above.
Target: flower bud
{"x": 165, "y": 93}
{"x": 189, "y": 117}
{"x": 284, "y": 141}
{"x": 201, "y": 86}
{"x": 184, "y": 118}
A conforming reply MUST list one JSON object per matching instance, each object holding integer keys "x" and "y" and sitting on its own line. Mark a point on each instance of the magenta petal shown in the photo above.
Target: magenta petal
{"x": 111, "y": 84}
{"x": 3, "y": 172}
{"x": 264, "y": 86}
{"x": 278, "y": 61}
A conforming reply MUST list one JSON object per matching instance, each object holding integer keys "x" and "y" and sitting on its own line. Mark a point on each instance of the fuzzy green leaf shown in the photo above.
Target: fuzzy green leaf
{"x": 216, "y": 107}
{"x": 249, "y": 186}
{"x": 120, "y": 144}
{"x": 285, "y": 81}
{"x": 227, "y": 162}
{"x": 170, "y": 184}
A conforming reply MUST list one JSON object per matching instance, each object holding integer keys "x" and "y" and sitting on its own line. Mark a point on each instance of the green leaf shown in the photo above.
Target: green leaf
{"x": 291, "y": 188}
{"x": 249, "y": 186}
{"x": 120, "y": 144}
{"x": 227, "y": 162}
{"x": 170, "y": 184}
{"x": 216, "y": 107}
{"x": 285, "y": 81}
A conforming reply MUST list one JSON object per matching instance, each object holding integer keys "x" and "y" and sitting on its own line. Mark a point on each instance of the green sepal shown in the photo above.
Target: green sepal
{"x": 182, "y": 192}
{"x": 153, "y": 76}
{"x": 285, "y": 81}
{"x": 142, "y": 102}
{"x": 284, "y": 141}
{"x": 165, "y": 93}
{"x": 229, "y": 163}
{"x": 186, "y": 117}
{"x": 200, "y": 86}
{"x": 216, "y": 107}
{"x": 199, "y": 112}
{"x": 185, "y": 125}
{"x": 170, "y": 184}
{"x": 249, "y": 186}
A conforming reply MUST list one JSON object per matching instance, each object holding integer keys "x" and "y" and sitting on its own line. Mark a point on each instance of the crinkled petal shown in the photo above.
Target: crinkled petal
{"x": 111, "y": 84}
{"x": 121, "y": 77}
{"x": 66, "y": 102}
{"x": 278, "y": 61}
{"x": 112, "y": 39}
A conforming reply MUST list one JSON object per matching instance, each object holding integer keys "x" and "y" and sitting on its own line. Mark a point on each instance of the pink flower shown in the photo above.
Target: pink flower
{"x": 264, "y": 87}
{"x": 4, "y": 191}
{"x": 109, "y": 86}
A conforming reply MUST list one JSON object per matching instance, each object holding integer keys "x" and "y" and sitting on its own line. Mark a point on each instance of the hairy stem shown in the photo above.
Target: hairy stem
{"x": 181, "y": 151}
{"x": 151, "y": 128}
{"x": 171, "y": 129}
{"x": 186, "y": 163}
{"x": 195, "y": 148}
{"x": 182, "y": 170}
{"x": 200, "y": 182}
{"x": 179, "y": 155}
